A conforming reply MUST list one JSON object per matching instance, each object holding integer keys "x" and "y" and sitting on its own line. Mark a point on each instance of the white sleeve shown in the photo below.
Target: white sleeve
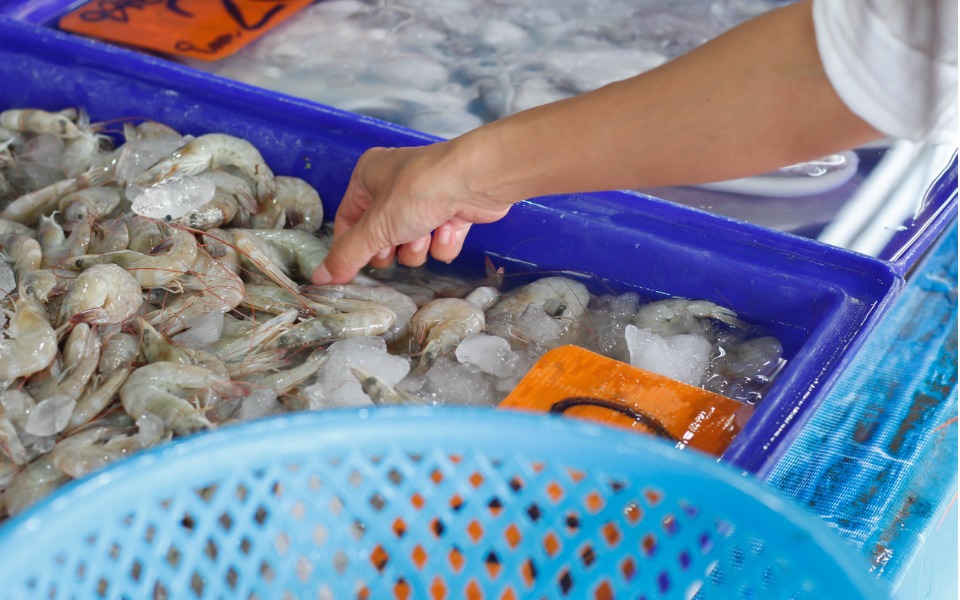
{"x": 893, "y": 63}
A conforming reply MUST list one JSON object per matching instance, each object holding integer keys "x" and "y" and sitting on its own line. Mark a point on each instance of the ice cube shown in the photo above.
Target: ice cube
{"x": 539, "y": 327}
{"x": 173, "y": 198}
{"x": 452, "y": 383}
{"x": 418, "y": 72}
{"x": 136, "y": 156}
{"x": 444, "y": 123}
{"x": 490, "y": 353}
{"x": 501, "y": 34}
{"x": 259, "y": 403}
{"x": 203, "y": 331}
{"x": 336, "y": 384}
{"x": 683, "y": 357}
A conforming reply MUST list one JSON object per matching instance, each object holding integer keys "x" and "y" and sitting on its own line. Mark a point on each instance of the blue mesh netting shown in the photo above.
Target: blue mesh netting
{"x": 421, "y": 504}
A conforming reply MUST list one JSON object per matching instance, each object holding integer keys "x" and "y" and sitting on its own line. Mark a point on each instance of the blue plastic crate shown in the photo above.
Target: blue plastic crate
{"x": 414, "y": 503}
{"x": 820, "y": 301}
{"x": 934, "y": 212}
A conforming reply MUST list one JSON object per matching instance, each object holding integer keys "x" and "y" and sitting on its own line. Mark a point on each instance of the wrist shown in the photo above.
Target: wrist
{"x": 488, "y": 167}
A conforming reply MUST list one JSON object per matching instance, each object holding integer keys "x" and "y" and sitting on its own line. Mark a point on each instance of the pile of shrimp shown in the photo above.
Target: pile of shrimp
{"x": 122, "y": 328}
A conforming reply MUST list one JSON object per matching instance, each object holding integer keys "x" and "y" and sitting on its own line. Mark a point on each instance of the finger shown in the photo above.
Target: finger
{"x": 448, "y": 240}
{"x": 352, "y": 207}
{"x": 414, "y": 254}
{"x": 382, "y": 259}
{"x": 349, "y": 252}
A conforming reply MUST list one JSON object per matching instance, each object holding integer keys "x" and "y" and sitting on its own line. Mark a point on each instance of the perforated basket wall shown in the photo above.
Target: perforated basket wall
{"x": 421, "y": 504}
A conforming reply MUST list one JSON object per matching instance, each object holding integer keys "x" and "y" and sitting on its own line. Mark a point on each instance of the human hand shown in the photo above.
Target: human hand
{"x": 404, "y": 203}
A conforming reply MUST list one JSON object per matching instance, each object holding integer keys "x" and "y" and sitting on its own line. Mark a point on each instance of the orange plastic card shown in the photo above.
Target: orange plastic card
{"x": 578, "y": 383}
{"x": 204, "y": 29}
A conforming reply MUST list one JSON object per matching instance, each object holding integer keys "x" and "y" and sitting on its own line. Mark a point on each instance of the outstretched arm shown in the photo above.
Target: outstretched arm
{"x": 749, "y": 101}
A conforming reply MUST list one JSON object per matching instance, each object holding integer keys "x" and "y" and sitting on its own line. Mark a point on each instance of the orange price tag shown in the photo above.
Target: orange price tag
{"x": 577, "y": 383}
{"x": 204, "y": 29}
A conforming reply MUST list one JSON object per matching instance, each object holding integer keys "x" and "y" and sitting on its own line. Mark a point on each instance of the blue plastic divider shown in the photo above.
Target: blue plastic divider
{"x": 820, "y": 301}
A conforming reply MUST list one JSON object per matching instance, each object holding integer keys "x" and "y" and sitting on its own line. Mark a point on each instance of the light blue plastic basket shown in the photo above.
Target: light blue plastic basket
{"x": 422, "y": 504}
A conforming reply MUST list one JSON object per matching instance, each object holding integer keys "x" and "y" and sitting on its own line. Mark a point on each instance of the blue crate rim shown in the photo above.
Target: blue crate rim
{"x": 299, "y": 430}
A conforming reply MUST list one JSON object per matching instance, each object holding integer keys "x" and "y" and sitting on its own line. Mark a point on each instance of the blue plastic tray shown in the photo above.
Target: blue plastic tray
{"x": 415, "y": 503}
{"x": 820, "y": 301}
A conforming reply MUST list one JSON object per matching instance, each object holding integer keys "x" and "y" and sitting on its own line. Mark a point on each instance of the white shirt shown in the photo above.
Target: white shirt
{"x": 893, "y": 63}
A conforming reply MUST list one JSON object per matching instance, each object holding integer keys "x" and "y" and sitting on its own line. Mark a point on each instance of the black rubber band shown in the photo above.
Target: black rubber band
{"x": 638, "y": 416}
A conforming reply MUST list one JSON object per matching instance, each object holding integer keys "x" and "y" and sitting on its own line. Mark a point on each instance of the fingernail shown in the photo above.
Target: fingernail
{"x": 418, "y": 245}
{"x": 444, "y": 235}
{"x": 321, "y": 276}
{"x": 384, "y": 253}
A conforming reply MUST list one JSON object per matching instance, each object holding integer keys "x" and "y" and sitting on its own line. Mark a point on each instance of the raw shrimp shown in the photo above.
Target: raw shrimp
{"x": 145, "y": 234}
{"x": 275, "y": 252}
{"x": 359, "y": 318}
{"x": 42, "y": 284}
{"x": 484, "y": 297}
{"x": 81, "y": 353}
{"x": 676, "y": 316}
{"x": 419, "y": 293}
{"x": 166, "y": 263}
{"x": 297, "y": 205}
{"x": 30, "y": 344}
{"x": 283, "y": 381}
{"x": 220, "y": 290}
{"x": 262, "y": 256}
{"x": 76, "y": 244}
{"x": 178, "y": 394}
{"x": 258, "y": 362}
{"x": 91, "y": 203}
{"x": 100, "y": 444}
{"x": 24, "y": 251}
{"x": 403, "y": 306}
{"x": 381, "y": 392}
{"x": 156, "y": 347}
{"x": 10, "y": 445}
{"x": 275, "y": 300}
{"x": 8, "y": 226}
{"x": 33, "y": 120}
{"x": 442, "y": 324}
{"x": 118, "y": 352}
{"x": 50, "y": 236}
{"x": 97, "y": 397}
{"x": 28, "y": 208}
{"x": 558, "y": 296}
{"x": 300, "y": 248}
{"x": 101, "y": 294}
{"x": 35, "y": 481}
{"x": 212, "y": 151}
{"x": 148, "y": 129}
{"x": 236, "y": 348}
{"x": 109, "y": 236}
{"x": 218, "y": 263}
{"x": 7, "y": 470}
{"x": 80, "y": 153}
{"x": 232, "y": 200}
{"x": 220, "y": 210}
